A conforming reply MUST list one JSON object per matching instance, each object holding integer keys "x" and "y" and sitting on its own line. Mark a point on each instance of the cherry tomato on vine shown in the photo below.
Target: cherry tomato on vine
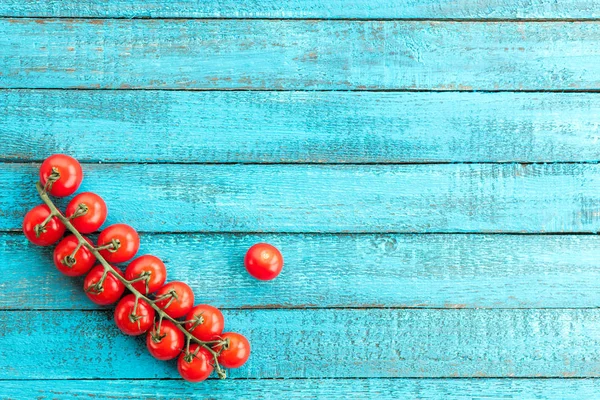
{"x": 133, "y": 323}
{"x": 236, "y": 353}
{"x": 263, "y": 261}
{"x": 127, "y": 239}
{"x": 149, "y": 266}
{"x": 42, "y": 235}
{"x": 64, "y": 172}
{"x": 112, "y": 288}
{"x": 47, "y": 235}
{"x": 79, "y": 264}
{"x": 178, "y": 305}
{"x": 195, "y": 367}
{"x": 90, "y": 211}
{"x": 166, "y": 343}
{"x": 205, "y": 322}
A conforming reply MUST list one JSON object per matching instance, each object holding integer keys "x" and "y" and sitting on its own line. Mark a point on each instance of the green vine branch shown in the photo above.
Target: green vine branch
{"x": 55, "y": 212}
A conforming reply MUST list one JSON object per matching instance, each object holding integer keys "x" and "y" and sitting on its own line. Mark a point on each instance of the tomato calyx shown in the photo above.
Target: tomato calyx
{"x": 53, "y": 177}
{"x": 112, "y": 247}
{"x": 81, "y": 210}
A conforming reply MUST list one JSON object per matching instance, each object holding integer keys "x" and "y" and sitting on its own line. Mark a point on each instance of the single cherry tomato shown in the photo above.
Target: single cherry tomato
{"x": 73, "y": 266}
{"x": 150, "y": 267}
{"x": 111, "y": 290}
{"x": 236, "y": 352}
{"x": 87, "y": 212}
{"x": 126, "y": 240}
{"x": 205, "y": 322}
{"x": 132, "y": 320}
{"x": 197, "y": 365}
{"x": 36, "y": 232}
{"x": 263, "y": 261}
{"x": 64, "y": 173}
{"x": 165, "y": 343}
{"x": 178, "y": 299}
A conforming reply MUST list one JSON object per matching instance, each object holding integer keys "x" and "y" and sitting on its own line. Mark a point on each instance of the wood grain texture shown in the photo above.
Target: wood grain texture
{"x": 331, "y": 198}
{"x": 339, "y": 389}
{"x": 306, "y": 55}
{"x": 443, "y": 271}
{"x": 321, "y": 344}
{"x": 467, "y": 9}
{"x": 315, "y": 127}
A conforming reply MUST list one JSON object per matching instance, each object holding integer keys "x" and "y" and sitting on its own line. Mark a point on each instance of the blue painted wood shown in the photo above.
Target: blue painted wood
{"x": 392, "y": 389}
{"x": 468, "y": 9}
{"x": 443, "y": 271}
{"x": 331, "y": 198}
{"x": 322, "y": 344}
{"x": 275, "y": 127}
{"x": 306, "y": 55}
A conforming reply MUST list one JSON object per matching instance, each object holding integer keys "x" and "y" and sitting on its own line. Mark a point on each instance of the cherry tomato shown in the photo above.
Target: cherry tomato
{"x": 90, "y": 211}
{"x": 127, "y": 239}
{"x": 130, "y": 322}
{"x": 112, "y": 288}
{"x": 197, "y": 365}
{"x": 79, "y": 264}
{"x": 263, "y": 261}
{"x": 236, "y": 352}
{"x": 149, "y": 266}
{"x": 166, "y": 343}
{"x": 205, "y": 322}
{"x": 65, "y": 174}
{"x": 42, "y": 236}
{"x": 180, "y": 301}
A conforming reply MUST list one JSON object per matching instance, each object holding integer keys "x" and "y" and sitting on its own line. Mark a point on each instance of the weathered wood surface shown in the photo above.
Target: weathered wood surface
{"x": 331, "y": 198}
{"x": 306, "y": 55}
{"x": 340, "y": 389}
{"x": 441, "y": 271}
{"x": 321, "y": 344}
{"x": 420, "y": 9}
{"x": 314, "y": 127}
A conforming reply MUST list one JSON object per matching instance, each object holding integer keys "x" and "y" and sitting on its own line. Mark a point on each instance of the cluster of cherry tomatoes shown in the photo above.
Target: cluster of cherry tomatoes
{"x": 168, "y": 334}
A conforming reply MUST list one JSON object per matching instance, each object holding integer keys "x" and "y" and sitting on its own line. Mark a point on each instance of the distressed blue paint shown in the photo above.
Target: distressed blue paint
{"x": 421, "y": 9}
{"x": 323, "y": 270}
{"x": 332, "y": 198}
{"x": 294, "y": 389}
{"x": 322, "y": 344}
{"x": 443, "y": 271}
{"x": 275, "y": 127}
{"x": 306, "y": 55}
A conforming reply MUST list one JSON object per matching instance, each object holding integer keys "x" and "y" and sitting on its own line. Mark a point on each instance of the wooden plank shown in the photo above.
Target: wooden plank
{"x": 467, "y": 9}
{"x": 322, "y": 344}
{"x": 305, "y": 55}
{"x": 451, "y": 389}
{"x": 534, "y": 198}
{"x": 321, "y": 127}
{"x": 442, "y": 271}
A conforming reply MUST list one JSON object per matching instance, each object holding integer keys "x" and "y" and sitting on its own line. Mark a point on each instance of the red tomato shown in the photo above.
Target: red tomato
{"x": 132, "y": 322}
{"x": 77, "y": 265}
{"x": 64, "y": 172}
{"x": 127, "y": 239}
{"x": 112, "y": 289}
{"x": 263, "y": 261}
{"x": 152, "y": 268}
{"x": 42, "y": 236}
{"x": 178, "y": 300}
{"x": 205, "y": 322}
{"x": 197, "y": 365}
{"x": 166, "y": 343}
{"x": 89, "y": 210}
{"x": 236, "y": 352}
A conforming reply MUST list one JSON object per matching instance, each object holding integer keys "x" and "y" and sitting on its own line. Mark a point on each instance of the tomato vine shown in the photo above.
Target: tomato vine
{"x": 46, "y": 226}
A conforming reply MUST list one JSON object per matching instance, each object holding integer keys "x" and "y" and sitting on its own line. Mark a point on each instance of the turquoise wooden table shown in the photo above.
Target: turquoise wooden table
{"x": 429, "y": 170}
